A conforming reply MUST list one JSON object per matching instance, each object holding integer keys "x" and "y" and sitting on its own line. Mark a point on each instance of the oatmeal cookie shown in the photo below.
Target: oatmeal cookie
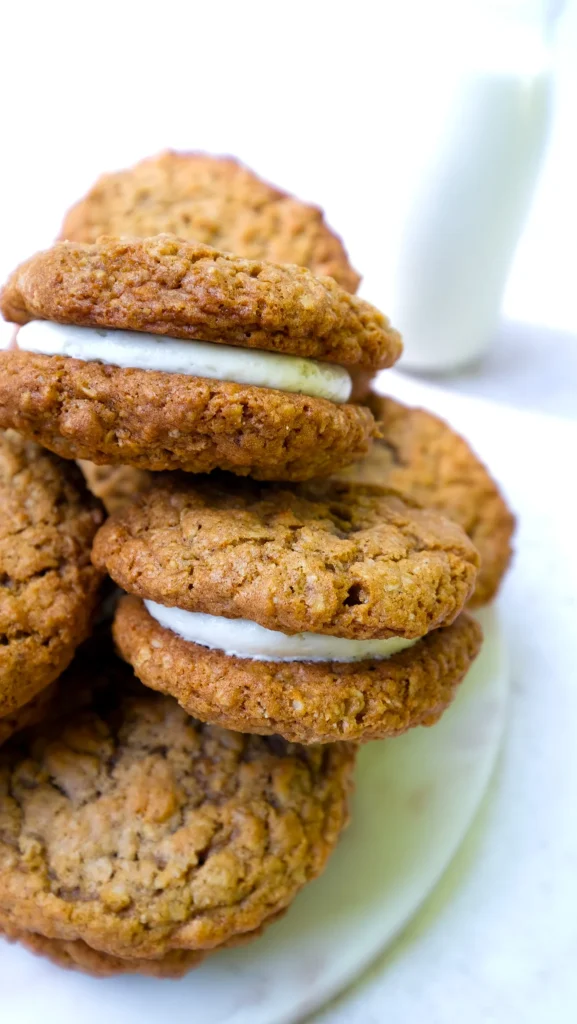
{"x": 48, "y": 586}
{"x": 215, "y": 200}
{"x": 277, "y": 426}
{"x": 351, "y": 561}
{"x": 419, "y": 454}
{"x": 162, "y": 285}
{"x": 306, "y": 702}
{"x": 130, "y": 827}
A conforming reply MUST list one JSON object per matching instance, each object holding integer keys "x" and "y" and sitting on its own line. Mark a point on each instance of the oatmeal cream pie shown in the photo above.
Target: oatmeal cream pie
{"x": 320, "y": 612}
{"x": 134, "y": 838}
{"x": 214, "y": 200}
{"x": 164, "y": 354}
{"x": 420, "y": 455}
{"x": 218, "y": 201}
{"x": 49, "y": 588}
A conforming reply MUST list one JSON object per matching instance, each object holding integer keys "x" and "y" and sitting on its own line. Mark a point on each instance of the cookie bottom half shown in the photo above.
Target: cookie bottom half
{"x": 305, "y": 702}
{"x": 157, "y": 421}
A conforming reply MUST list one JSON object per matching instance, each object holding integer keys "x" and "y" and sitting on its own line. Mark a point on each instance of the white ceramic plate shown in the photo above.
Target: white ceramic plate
{"x": 415, "y": 799}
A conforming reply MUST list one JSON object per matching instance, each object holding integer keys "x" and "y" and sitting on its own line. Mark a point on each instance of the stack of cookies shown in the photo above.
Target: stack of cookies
{"x": 296, "y": 555}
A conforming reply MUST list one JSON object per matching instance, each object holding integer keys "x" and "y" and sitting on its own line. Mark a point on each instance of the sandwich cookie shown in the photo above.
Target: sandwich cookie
{"x": 49, "y": 588}
{"x": 214, "y": 200}
{"x": 320, "y": 612}
{"x": 163, "y": 354}
{"x": 218, "y": 201}
{"x": 134, "y": 838}
{"x": 420, "y": 455}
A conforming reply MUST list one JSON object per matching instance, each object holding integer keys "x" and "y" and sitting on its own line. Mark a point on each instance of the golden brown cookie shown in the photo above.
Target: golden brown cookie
{"x": 163, "y": 285}
{"x": 157, "y": 421}
{"x": 306, "y": 702}
{"x": 355, "y": 562}
{"x": 76, "y": 955}
{"x": 116, "y": 486}
{"x": 153, "y": 420}
{"x": 336, "y": 560}
{"x": 48, "y": 586}
{"x": 131, "y": 827}
{"x": 420, "y": 455}
{"x": 215, "y": 200}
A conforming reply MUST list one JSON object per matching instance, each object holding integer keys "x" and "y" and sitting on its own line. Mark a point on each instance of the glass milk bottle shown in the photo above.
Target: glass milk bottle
{"x": 474, "y": 185}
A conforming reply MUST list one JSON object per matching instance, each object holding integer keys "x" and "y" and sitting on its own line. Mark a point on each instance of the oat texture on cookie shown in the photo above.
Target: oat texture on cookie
{"x": 215, "y": 200}
{"x": 257, "y": 420}
{"x": 179, "y": 836}
{"x": 324, "y": 612}
{"x": 305, "y": 702}
{"x": 419, "y": 454}
{"x": 48, "y": 586}
{"x": 346, "y": 560}
{"x": 163, "y": 285}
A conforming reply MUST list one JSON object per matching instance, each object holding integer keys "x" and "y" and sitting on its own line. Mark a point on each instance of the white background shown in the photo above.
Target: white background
{"x": 317, "y": 96}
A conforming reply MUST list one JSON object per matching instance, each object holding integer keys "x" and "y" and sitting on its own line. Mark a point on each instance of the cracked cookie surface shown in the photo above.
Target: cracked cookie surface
{"x": 215, "y": 200}
{"x": 306, "y": 702}
{"x": 48, "y": 585}
{"x": 420, "y": 455}
{"x": 135, "y": 829}
{"x": 165, "y": 286}
{"x": 346, "y": 560}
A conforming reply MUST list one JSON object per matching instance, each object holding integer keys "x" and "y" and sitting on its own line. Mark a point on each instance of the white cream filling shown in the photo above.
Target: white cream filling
{"x": 131, "y": 349}
{"x": 244, "y": 639}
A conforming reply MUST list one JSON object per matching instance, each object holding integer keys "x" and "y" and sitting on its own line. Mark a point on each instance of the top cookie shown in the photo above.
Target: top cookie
{"x": 48, "y": 586}
{"x": 162, "y": 285}
{"x": 355, "y": 562}
{"x": 215, "y": 200}
{"x": 420, "y": 455}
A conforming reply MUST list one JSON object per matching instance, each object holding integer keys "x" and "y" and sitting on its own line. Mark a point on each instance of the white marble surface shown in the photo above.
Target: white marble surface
{"x": 497, "y": 942}
{"x": 528, "y": 366}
